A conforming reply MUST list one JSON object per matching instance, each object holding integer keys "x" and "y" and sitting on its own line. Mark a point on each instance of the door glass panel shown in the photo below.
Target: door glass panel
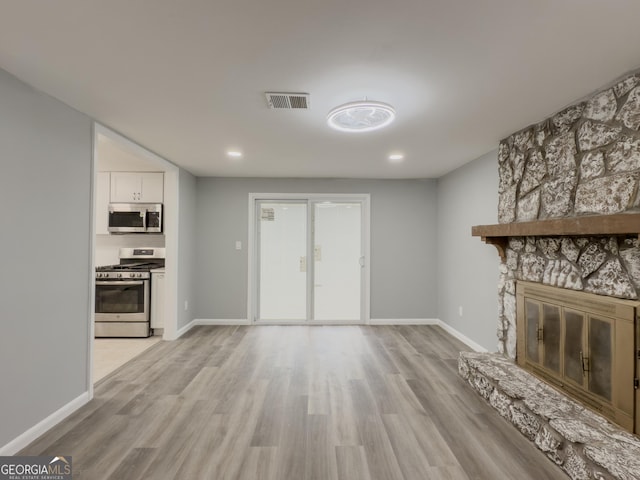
{"x": 337, "y": 252}
{"x": 120, "y": 297}
{"x": 282, "y": 251}
{"x": 533, "y": 323}
{"x": 126, "y": 219}
{"x": 601, "y": 362}
{"x": 551, "y": 336}
{"x": 574, "y": 333}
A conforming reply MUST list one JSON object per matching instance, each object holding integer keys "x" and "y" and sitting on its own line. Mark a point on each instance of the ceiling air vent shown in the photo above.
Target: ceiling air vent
{"x": 288, "y": 100}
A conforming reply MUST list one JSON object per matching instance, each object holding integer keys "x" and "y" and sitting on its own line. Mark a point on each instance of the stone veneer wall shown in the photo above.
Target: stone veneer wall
{"x": 584, "y": 160}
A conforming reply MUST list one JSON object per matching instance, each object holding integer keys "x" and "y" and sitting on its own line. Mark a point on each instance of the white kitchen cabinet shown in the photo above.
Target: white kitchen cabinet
{"x": 157, "y": 299}
{"x": 137, "y": 187}
{"x": 102, "y": 203}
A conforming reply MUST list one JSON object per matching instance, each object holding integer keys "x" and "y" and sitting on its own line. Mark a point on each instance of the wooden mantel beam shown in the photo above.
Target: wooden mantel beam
{"x": 618, "y": 224}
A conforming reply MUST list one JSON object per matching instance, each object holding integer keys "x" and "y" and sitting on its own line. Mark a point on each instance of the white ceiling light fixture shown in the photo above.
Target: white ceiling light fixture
{"x": 396, "y": 157}
{"x": 362, "y": 116}
{"x": 234, "y": 153}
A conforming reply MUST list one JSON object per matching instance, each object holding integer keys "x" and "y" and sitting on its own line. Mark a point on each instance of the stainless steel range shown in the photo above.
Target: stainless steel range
{"x": 123, "y": 293}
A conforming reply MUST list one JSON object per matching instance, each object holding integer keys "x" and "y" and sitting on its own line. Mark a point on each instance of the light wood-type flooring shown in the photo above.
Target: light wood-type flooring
{"x": 294, "y": 403}
{"x": 111, "y": 353}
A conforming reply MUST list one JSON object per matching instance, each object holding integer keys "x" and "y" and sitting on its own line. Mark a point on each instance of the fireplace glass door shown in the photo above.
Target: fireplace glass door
{"x": 534, "y": 330}
{"x": 574, "y": 340}
{"x": 543, "y": 334}
{"x": 600, "y": 356}
{"x": 551, "y": 337}
{"x": 571, "y": 345}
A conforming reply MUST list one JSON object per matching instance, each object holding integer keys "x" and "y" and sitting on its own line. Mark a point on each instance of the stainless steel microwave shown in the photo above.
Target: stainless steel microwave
{"x": 135, "y": 218}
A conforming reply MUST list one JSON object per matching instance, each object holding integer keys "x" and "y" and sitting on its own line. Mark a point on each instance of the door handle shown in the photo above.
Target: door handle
{"x": 585, "y": 363}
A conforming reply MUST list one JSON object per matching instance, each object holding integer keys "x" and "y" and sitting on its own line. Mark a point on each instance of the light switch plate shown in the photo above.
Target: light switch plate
{"x": 238, "y": 245}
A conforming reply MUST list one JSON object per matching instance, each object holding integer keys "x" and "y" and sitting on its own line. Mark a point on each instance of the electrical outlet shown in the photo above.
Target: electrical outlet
{"x": 186, "y": 305}
{"x": 238, "y": 245}
{"x": 460, "y": 310}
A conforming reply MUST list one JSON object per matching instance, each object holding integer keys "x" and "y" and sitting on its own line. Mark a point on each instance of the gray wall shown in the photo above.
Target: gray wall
{"x": 468, "y": 268}
{"x": 45, "y": 193}
{"x": 403, "y": 242}
{"x": 186, "y": 244}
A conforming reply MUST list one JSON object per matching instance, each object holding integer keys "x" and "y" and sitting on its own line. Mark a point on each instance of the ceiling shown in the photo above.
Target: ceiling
{"x": 186, "y": 79}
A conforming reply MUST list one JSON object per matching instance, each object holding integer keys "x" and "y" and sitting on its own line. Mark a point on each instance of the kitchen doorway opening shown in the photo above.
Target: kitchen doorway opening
{"x": 113, "y": 152}
{"x": 309, "y": 258}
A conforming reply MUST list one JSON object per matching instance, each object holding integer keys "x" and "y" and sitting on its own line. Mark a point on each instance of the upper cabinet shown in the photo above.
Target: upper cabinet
{"x": 137, "y": 187}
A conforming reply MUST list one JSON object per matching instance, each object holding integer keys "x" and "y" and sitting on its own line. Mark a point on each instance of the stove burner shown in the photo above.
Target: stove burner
{"x": 140, "y": 266}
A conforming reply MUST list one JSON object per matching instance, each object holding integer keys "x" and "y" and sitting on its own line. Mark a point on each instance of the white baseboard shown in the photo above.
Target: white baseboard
{"x": 374, "y": 321}
{"x": 210, "y": 321}
{"x": 303, "y": 323}
{"x": 463, "y": 338}
{"x": 18, "y": 443}
{"x": 404, "y": 321}
{"x": 184, "y": 330}
{"x": 430, "y": 321}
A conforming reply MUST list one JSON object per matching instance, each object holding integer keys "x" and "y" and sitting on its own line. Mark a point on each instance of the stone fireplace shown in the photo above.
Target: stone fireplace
{"x": 569, "y": 224}
{"x": 585, "y": 160}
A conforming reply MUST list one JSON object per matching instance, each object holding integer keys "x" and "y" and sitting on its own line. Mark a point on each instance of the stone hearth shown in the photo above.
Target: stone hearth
{"x": 582, "y": 443}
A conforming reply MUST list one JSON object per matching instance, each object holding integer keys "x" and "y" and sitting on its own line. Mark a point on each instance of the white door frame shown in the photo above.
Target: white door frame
{"x": 252, "y": 252}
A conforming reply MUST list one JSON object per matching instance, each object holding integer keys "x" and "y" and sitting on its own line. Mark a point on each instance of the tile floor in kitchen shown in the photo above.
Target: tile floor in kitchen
{"x": 111, "y": 353}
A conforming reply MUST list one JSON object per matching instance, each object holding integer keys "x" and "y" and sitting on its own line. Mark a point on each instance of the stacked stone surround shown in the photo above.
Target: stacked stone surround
{"x": 585, "y": 160}
{"x": 583, "y": 444}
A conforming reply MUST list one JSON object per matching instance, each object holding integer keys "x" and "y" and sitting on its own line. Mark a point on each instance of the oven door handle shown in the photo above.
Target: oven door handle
{"x": 122, "y": 282}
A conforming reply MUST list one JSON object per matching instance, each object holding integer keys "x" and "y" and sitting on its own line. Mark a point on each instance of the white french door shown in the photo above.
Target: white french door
{"x": 309, "y": 259}
{"x": 282, "y": 252}
{"x": 338, "y": 260}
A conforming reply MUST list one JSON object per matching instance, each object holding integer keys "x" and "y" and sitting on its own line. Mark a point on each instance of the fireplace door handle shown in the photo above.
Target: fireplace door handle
{"x": 540, "y": 334}
{"x": 585, "y": 363}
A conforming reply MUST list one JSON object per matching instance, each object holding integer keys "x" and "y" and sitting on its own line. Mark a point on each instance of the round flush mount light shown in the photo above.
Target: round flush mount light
{"x": 396, "y": 157}
{"x": 234, "y": 153}
{"x": 362, "y": 116}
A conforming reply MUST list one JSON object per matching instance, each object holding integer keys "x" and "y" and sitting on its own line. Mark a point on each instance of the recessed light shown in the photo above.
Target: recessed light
{"x": 396, "y": 157}
{"x": 234, "y": 153}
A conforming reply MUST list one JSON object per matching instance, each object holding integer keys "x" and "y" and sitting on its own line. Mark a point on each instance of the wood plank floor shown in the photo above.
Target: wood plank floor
{"x": 294, "y": 403}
